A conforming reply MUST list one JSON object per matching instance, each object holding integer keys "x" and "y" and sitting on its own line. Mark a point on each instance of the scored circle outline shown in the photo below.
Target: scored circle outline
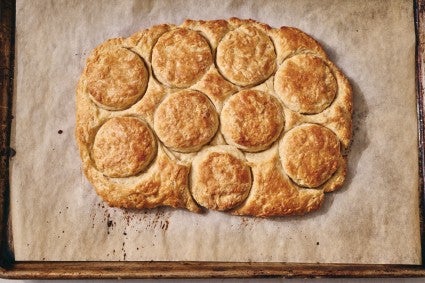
{"x": 246, "y": 56}
{"x": 305, "y": 83}
{"x": 181, "y": 57}
{"x": 186, "y": 120}
{"x": 118, "y": 88}
{"x": 123, "y": 146}
{"x": 310, "y": 154}
{"x": 220, "y": 178}
{"x": 254, "y": 120}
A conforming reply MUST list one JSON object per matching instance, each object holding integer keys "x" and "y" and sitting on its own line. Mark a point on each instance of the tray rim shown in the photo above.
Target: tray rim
{"x": 11, "y": 269}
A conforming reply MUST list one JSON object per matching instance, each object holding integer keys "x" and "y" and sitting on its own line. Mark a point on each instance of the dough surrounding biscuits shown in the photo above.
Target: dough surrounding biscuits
{"x": 221, "y": 178}
{"x": 231, "y": 115}
{"x": 289, "y": 41}
{"x": 273, "y": 193}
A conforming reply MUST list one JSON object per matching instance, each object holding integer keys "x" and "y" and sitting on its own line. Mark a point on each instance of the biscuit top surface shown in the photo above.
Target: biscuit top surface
{"x": 123, "y": 147}
{"x": 186, "y": 120}
{"x": 116, "y": 77}
{"x": 246, "y": 56}
{"x": 310, "y": 154}
{"x": 221, "y": 178}
{"x": 305, "y": 84}
{"x": 252, "y": 120}
{"x": 181, "y": 57}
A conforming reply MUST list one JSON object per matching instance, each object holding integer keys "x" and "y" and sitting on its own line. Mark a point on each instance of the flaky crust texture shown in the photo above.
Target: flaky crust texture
{"x": 252, "y": 120}
{"x": 123, "y": 147}
{"x": 186, "y": 120}
{"x": 229, "y": 115}
{"x": 220, "y": 178}
{"x": 116, "y": 77}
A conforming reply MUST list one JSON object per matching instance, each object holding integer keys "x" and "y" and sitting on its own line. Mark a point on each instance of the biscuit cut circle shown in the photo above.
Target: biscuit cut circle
{"x": 186, "y": 120}
{"x": 310, "y": 154}
{"x": 116, "y": 78}
{"x": 246, "y": 56}
{"x": 123, "y": 147}
{"x": 252, "y": 120}
{"x": 221, "y": 178}
{"x": 181, "y": 57}
{"x": 305, "y": 84}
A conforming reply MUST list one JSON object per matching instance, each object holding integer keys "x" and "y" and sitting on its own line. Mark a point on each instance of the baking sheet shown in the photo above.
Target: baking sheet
{"x": 374, "y": 218}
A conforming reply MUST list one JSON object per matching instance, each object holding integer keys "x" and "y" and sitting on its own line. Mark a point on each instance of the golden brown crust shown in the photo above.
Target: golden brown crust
{"x": 214, "y": 30}
{"x": 266, "y": 85}
{"x": 337, "y": 116}
{"x": 181, "y": 57}
{"x": 123, "y": 147}
{"x": 143, "y": 41}
{"x": 289, "y": 41}
{"x": 246, "y": 56}
{"x": 116, "y": 77}
{"x": 337, "y": 179}
{"x": 186, "y": 120}
{"x": 310, "y": 154}
{"x": 216, "y": 87}
{"x": 305, "y": 84}
{"x": 236, "y": 22}
{"x": 147, "y": 105}
{"x": 252, "y": 120}
{"x": 221, "y": 178}
{"x": 165, "y": 183}
{"x": 273, "y": 194}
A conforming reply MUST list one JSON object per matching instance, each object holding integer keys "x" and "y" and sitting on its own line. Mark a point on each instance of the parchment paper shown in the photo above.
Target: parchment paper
{"x": 56, "y": 215}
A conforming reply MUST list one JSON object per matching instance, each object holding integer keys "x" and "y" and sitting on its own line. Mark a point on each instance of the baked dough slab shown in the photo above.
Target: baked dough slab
{"x": 60, "y": 217}
{"x": 238, "y": 85}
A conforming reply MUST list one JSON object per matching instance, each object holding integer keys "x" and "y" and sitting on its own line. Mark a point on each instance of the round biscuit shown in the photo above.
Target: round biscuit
{"x": 123, "y": 147}
{"x": 310, "y": 154}
{"x": 252, "y": 120}
{"x": 181, "y": 57}
{"x": 116, "y": 77}
{"x": 246, "y": 56}
{"x": 220, "y": 178}
{"x": 305, "y": 84}
{"x": 186, "y": 120}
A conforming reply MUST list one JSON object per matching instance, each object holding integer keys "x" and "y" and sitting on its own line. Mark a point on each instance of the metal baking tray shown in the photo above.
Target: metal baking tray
{"x": 10, "y": 268}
